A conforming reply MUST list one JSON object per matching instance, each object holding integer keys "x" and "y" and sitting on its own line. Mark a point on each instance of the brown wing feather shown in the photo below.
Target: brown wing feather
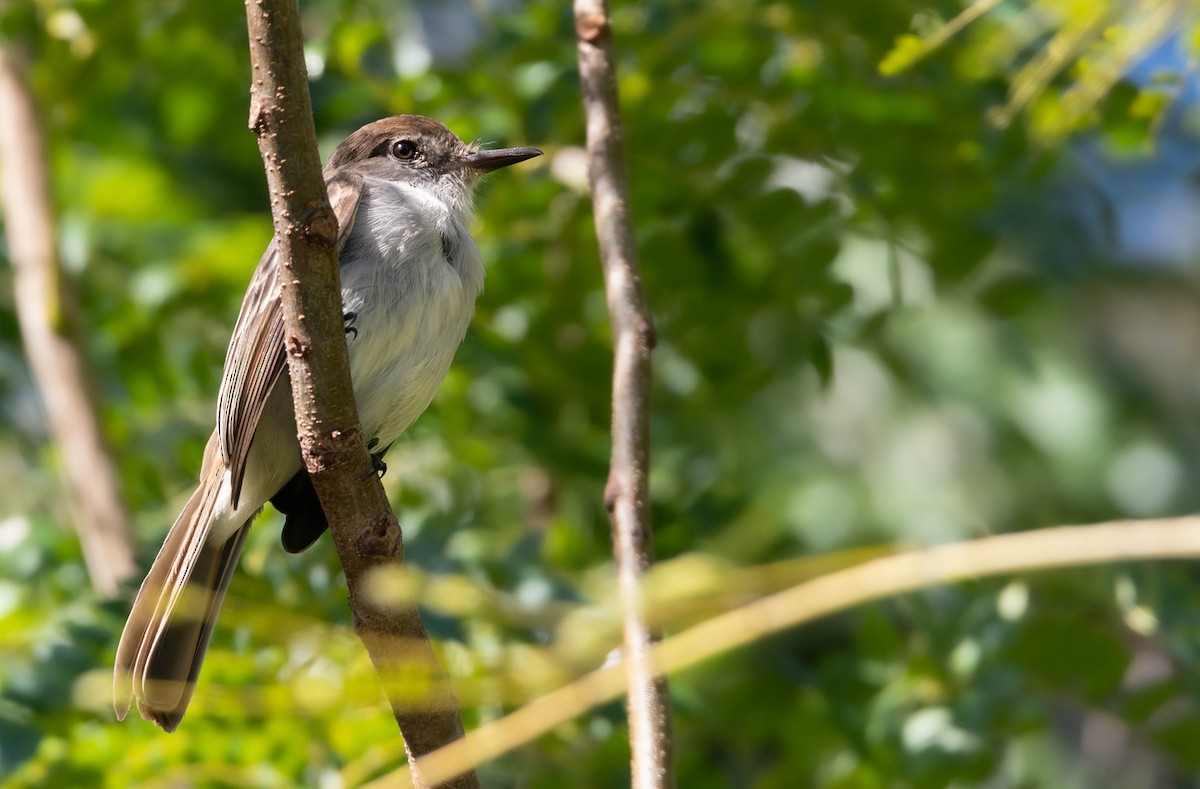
{"x": 256, "y": 359}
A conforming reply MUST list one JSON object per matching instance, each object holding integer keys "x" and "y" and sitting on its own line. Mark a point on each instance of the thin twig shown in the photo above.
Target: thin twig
{"x": 49, "y": 316}
{"x": 877, "y": 579}
{"x": 360, "y": 519}
{"x": 627, "y": 492}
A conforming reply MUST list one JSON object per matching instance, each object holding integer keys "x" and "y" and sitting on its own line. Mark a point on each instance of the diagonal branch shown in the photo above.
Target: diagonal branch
{"x": 360, "y": 519}
{"x": 50, "y": 328}
{"x": 875, "y": 579}
{"x": 627, "y": 492}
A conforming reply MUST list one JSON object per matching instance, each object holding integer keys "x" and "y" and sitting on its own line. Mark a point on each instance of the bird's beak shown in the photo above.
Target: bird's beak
{"x": 486, "y": 161}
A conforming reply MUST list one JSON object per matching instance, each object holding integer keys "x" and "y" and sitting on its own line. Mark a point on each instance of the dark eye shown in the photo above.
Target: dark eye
{"x": 404, "y": 149}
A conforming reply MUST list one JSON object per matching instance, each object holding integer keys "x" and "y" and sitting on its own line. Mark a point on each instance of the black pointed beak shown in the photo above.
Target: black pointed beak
{"x": 486, "y": 161}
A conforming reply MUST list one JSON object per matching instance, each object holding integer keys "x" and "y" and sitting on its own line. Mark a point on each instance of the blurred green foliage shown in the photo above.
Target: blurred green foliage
{"x": 877, "y": 325}
{"x": 1062, "y": 57}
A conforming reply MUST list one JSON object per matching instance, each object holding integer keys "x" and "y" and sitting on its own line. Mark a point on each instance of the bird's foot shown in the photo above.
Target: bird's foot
{"x": 377, "y": 465}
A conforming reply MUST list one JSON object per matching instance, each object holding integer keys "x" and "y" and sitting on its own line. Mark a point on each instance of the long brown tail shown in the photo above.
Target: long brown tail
{"x": 163, "y": 644}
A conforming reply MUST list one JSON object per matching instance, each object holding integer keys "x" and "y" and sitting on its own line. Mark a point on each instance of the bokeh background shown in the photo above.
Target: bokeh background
{"x": 884, "y": 318}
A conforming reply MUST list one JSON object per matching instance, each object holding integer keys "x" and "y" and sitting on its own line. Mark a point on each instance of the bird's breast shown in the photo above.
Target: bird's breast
{"x": 410, "y": 274}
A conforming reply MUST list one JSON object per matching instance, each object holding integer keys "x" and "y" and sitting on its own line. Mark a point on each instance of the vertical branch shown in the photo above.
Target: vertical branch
{"x": 48, "y": 315}
{"x": 360, "y": 519}
{"x": 627, "y": 492}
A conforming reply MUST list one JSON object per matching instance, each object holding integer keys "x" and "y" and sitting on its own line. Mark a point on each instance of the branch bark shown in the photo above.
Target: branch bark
{"x": 627, "y": 491}
{"x": 360, "y": 518}
{"x": 49, "y": 317}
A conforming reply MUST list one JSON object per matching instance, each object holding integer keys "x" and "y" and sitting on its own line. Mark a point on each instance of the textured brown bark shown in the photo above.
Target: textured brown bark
{"x": 360, "y": 519}
{"x": 627, "y": 491}
{"x": 50, "y": 329}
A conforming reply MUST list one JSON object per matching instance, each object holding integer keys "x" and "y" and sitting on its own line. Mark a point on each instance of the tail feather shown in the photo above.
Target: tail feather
{"x": 171, "y": 622}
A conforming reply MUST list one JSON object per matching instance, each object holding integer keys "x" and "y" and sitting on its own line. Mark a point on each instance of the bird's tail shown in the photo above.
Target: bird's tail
{"x": 163, "y": 644}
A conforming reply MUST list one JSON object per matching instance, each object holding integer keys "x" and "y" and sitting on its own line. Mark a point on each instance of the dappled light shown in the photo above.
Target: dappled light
{"x": 925, "y": 284}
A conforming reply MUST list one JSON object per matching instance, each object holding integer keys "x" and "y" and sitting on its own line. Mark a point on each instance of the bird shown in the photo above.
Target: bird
{"x": 402, "y": 190}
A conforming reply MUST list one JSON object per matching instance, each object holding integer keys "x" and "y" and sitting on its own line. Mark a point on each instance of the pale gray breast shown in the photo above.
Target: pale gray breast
{"x": 410, "y": 274}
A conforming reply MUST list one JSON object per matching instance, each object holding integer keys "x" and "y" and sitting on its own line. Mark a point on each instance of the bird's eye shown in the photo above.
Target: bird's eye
{"x": 404, "y": 149}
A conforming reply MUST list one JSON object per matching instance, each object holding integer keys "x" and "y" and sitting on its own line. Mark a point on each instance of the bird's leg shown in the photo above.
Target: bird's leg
{"x": 377, "y": 464}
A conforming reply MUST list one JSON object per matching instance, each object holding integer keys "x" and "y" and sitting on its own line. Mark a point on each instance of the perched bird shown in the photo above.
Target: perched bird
{"x": 402, "y": 190}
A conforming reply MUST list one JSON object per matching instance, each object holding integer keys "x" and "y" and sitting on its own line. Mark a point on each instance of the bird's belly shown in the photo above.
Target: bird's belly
{"x": 405, "y": 339}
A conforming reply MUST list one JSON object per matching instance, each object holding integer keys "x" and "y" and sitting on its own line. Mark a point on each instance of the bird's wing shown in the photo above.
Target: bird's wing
{"x": 256, "y": 358}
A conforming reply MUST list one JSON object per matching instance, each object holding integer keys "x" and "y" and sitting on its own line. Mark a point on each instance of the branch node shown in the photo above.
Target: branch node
{"x": 297, "y": 346}
{"x": 320, "y": 225}
{"x": 612, "y": 492}
{"x": 380, "y": 540}
{"x": 591, "y": 25}
{"x": 648, "y": 335}
{"x": 258, "y": 115}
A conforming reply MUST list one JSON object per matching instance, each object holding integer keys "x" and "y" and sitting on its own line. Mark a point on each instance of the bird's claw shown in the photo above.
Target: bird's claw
{"x": 378, "y": 467}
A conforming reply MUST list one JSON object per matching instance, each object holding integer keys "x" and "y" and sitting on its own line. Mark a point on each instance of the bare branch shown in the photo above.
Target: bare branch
{"x": 48, "y": 313}
{"x": 876, "y": 579}
{"x": 360, "y": 519}
{"x": 627, "y": 492}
